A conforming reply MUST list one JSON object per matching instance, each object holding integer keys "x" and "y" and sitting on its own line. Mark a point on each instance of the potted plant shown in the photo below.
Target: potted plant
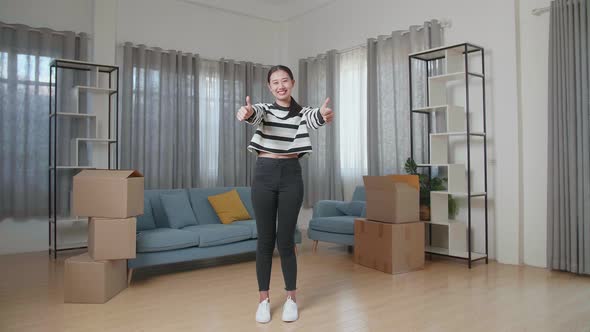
{"x": 426, "y": 186}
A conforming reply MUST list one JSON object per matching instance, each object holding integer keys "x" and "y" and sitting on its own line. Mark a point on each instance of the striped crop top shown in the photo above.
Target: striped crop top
{"x": 283, "y": 130}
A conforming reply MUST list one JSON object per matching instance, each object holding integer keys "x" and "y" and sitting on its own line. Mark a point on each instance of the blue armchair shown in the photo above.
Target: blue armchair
{"x": 333, "y": 221}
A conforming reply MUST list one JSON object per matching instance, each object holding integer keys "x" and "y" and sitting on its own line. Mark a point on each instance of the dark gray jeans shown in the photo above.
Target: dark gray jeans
{"x": 277, "y": 189}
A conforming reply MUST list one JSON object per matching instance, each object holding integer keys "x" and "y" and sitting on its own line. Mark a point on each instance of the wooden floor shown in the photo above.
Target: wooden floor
{"x": 334, "y": 295}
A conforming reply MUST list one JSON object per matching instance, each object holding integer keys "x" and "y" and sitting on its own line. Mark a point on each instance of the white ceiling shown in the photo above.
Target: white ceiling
{"x": 273, "y": 10}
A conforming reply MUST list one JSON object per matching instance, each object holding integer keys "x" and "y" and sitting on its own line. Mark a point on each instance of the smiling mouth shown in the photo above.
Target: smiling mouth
{"x": 282, "y": 92}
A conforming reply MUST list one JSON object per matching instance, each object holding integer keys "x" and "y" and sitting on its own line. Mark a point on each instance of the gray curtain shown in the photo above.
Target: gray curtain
{"x": 239, "y": 79}
{"x": 178, "y": 123}
{"x": 159, "y": 118}
{"x": 568, "y": 214}
{"x": 388, "y": 109}
{"x": 25, "y": 56}
{"x": 318, "y": 79}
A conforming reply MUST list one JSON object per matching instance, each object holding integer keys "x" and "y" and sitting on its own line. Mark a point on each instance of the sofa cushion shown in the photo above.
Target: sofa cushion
{"x": 229, "y": 207}
{"x": 340, "y": 224}
{"x": 352, "y": 208}
{"x": 329, "y": 208}
{"x": 346, "y": 239}
{"x": 248, "y": 223}
{"x": 161, "y": 239}
{"x": 217, "y": 234}
{"x": 252, "y": 225}
{"x": 146, "y": 220}
{"x": 204, "y": 211}
{"x": 153, "y": 195}
{"x": 178, "y": 209}
{"x": 359, "y": 194}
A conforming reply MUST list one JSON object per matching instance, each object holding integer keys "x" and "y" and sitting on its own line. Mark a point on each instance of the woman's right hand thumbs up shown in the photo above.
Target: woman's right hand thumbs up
{"x": 245, "y": 112}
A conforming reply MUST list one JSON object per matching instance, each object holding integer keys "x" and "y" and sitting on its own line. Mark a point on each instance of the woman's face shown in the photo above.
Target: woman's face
{"x": 281, "y": 85}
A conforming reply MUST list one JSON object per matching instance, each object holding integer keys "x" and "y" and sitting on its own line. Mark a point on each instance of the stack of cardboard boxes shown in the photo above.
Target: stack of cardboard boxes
{"x": 111, "y": 199}
{"x": 391, "y": 237}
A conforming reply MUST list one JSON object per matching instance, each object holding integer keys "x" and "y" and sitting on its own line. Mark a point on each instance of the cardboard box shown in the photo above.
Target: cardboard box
{"x": 391, "y": 248}
{"x": 89, "y": 281}
{"x": 393, "y": 198}
{"x": 108, "y": 193}
{"x": 111, "y": 238}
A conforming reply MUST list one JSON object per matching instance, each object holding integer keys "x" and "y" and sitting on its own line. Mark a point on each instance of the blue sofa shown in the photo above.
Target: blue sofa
{"x": 163, "y": 240}
{"x": 333, "y": 221}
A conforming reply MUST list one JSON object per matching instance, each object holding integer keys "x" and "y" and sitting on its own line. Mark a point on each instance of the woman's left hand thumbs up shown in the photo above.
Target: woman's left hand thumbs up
{"x": 326, "y": 111}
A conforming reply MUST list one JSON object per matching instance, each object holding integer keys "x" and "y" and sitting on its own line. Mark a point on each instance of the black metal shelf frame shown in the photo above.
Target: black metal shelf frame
{"x": 437, "y": 54}
{"x": 54, "y": 69}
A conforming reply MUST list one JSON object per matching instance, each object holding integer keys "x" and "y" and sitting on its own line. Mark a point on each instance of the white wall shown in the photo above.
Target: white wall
{"x": 104, "y": 31}
{"x": 73, "y": 15}
{"x": 168, "y": 24}
{"x": 534, "y": 53}
{"x": 31, "y": 234}
{"x": 210, "y": 32}
{"x": 491, "y": 24}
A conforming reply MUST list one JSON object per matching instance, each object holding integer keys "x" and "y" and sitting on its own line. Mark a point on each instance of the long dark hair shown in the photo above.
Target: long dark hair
{"x": 277, "y": 68}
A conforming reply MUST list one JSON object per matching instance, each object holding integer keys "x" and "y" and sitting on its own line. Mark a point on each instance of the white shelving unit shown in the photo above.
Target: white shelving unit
{"x": 447, "y": 237}
{"x": 93, "y": 89}
{"x": 455, "y": 253}
{"x": 94, "y": 105}
{"x": 75, "y": 148}
{"x": 455, "y": 116}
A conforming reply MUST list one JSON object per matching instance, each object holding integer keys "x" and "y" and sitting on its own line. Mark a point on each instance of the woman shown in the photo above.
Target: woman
{"x": 281, "y": 138}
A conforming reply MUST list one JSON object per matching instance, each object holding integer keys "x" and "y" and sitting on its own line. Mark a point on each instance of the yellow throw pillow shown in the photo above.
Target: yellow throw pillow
{"x": 229, "y": 207}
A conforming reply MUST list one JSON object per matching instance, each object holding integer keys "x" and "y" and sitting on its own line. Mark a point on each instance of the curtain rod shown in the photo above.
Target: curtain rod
{"x": 36, "y": 30}
{"x": 159, "y": 49}
{"x": 443, "y": 24}
{"x": 540, "y": 11}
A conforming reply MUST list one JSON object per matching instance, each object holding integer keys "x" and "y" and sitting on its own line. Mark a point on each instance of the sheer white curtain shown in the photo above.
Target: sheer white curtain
{"x": 209, "y": 114}
{"x": 353, "y": 113}
{"x": 339, "y": 160}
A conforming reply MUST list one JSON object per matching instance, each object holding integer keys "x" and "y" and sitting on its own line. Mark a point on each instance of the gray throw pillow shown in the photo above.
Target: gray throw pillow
{"x": 146, "y": 220}
{"x": 178, "y": 209}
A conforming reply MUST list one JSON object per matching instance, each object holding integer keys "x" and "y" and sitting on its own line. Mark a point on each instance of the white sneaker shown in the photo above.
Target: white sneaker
{"x": 290, "y": 313}
{"x": 263, "y": 312}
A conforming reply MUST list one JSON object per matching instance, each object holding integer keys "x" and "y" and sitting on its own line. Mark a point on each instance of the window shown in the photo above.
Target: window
{"x": 25, "y": 57}
{"x": 24, "y": 91}
{"x": 352, "y": 111}
{"x": 209, "y": 113}
{"x": 3, "y": 65}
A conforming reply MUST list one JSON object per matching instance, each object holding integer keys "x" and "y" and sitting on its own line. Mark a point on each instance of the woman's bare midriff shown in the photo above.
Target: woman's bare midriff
{"x": 277, "y": 156}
